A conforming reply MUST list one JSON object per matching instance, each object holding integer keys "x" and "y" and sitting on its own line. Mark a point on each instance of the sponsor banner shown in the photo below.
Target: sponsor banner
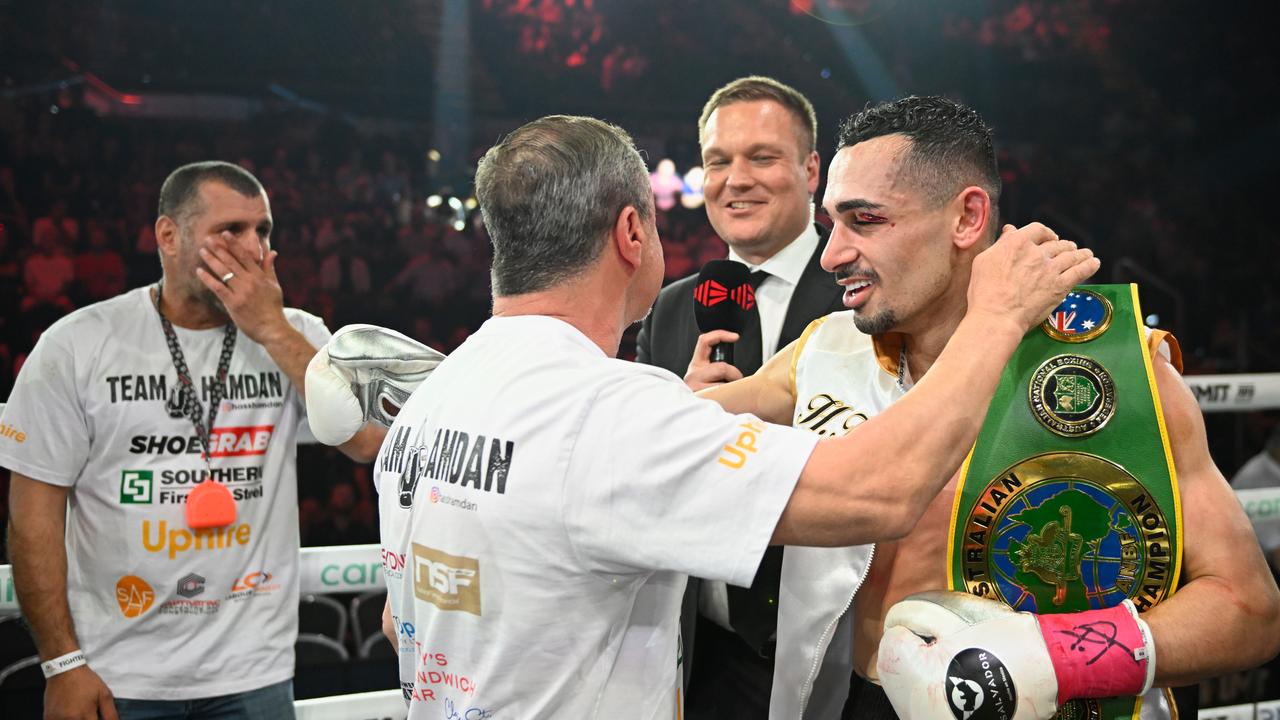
{"x": 1260, "y": 503}
{"x": 341, "y": 568}
{"x": 8, "y": 598}
{"x": 380, "y": 705}
{"x": 1233, "y": 712}
{"x": 1232, "y": 393}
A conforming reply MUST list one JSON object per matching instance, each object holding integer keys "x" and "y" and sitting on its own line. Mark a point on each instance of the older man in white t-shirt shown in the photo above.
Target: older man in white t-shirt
{"x": 542, "y": 502}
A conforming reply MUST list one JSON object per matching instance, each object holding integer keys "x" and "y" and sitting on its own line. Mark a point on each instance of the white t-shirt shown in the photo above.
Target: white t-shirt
{"x": 541, "y": 508}
{"x": 164, "y": 612}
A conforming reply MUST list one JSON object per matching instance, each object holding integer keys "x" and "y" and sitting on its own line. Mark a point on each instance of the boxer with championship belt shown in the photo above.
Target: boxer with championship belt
{"x": 912, "y": 190}
{"x": 1068, "y": 501}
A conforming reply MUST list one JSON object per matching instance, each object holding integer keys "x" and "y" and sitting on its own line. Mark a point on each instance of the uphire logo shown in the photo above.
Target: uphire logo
{"x": 450, "y": 582}
{"x": 178, "y": 540}
{"x": 9, "y": 431}
{"x": 735, "y": 456}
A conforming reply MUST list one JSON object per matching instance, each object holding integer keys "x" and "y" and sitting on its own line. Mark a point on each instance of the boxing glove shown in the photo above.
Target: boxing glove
{"x": 364, "y": 373}
{"x": 951, "y": 655}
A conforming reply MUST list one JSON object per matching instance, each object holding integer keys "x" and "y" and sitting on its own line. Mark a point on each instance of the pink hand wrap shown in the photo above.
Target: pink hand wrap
{"x": 1099, "y": 653}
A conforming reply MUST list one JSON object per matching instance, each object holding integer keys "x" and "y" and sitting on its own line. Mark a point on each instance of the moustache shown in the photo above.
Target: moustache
{"x": 853, "y": 272}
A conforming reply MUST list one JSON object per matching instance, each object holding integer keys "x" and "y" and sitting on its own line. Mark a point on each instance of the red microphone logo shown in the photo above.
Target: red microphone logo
{"x": 744, "y": 295}
{"x": 710, "y": 293}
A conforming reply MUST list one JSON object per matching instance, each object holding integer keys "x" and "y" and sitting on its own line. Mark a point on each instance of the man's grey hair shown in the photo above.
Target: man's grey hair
{"x": 549, "y": 193}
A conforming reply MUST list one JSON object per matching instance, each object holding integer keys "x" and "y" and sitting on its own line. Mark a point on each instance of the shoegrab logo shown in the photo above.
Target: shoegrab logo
{"x": 177, "y": 540}
{"x": 449, "y": 582}
{"x": 223, "y": 442}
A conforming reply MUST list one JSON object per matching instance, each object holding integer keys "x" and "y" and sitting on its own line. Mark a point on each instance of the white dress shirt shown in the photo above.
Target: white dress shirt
{"x": 772, "y": 298}
{"x": 774, "y": 293}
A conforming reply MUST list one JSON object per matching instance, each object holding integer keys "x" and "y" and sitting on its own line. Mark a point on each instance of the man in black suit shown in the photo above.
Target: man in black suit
{"x": 759, "y": 140}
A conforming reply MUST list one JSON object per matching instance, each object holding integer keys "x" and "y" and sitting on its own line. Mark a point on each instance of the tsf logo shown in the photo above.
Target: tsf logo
{"x": 135, "y": 487}
{"x": 450, "y": 582}
{"x": 134, "y": 595}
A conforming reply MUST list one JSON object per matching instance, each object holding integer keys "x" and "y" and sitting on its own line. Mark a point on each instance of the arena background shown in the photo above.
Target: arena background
{"x": 1145, "y": 129}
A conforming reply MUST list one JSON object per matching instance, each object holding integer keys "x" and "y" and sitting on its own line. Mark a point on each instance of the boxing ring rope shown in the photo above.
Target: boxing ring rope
{"x": 358, "y": 568}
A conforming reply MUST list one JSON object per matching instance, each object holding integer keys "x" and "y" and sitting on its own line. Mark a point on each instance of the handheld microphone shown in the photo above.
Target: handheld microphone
{"x": 721, "y": 301}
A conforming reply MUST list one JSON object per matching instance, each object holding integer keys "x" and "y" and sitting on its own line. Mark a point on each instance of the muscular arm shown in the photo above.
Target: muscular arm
{"x": 767, "y": 394}
{"x": 37, "y": 548}
{"x": 1227, "y": 615}
{"x": 874, "y": 483}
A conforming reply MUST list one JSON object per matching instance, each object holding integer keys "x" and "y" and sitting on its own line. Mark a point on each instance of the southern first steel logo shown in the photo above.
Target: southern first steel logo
{"x": 135, "y": 487}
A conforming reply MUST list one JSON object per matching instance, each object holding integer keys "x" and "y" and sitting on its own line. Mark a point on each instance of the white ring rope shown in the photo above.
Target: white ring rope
{"x": 358, "y": 568}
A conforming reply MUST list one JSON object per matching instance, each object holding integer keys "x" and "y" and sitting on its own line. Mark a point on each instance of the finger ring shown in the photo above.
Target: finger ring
{"x": 227, "y": 278}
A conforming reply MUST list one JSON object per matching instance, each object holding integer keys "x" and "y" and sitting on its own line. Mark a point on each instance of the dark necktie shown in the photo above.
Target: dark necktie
{"x": 753, "y": 612}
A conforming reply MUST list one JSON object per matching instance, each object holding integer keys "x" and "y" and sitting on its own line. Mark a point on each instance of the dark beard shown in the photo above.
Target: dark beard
{"x": 206, "y": 297}
{"x": 877, "y": 324}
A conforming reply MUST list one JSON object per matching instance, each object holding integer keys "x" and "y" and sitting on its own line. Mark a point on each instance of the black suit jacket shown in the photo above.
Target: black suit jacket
{"x": 668, "y": 335}
{"x": 667, "y": 339}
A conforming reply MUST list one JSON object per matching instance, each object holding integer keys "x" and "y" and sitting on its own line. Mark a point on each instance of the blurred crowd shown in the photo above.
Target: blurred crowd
{"x": 1115, "y": 126}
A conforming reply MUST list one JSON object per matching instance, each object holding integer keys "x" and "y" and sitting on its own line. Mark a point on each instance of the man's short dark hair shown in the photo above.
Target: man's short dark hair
{"x": 180, "y": 193}
{"x": 550, "y": 192}
{"x": 951, "y": 147}
{"x": 758, "y": 87}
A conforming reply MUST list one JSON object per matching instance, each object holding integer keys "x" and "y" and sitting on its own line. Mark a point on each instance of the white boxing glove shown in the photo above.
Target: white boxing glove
{"x": 955, "y": 656}
{"x": 363, "y": 374}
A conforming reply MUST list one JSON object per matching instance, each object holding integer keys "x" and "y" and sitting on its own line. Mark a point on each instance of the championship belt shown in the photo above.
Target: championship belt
{"x": 1069, "y": 499}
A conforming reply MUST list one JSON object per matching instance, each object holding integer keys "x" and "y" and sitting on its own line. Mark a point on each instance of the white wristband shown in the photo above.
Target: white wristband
{"x": 59, "y": 665}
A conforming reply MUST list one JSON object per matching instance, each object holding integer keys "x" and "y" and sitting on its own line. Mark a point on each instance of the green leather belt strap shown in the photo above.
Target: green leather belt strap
{"x": 1068, "y": 500}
